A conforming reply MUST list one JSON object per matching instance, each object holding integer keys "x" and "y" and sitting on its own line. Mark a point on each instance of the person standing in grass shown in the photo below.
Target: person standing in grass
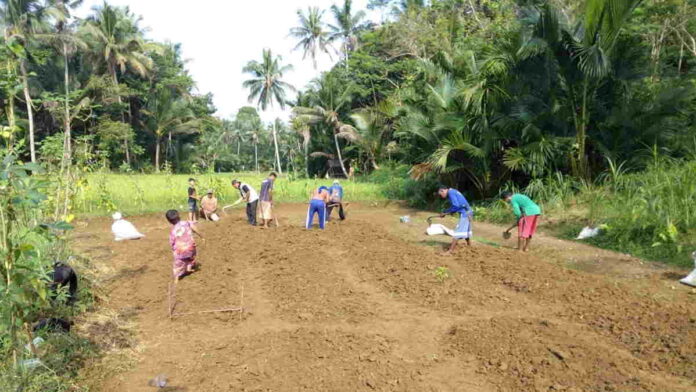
{"x": 266, "y": 199}
{"x": 249, "y": 195}
{"x": 183, "y": 245}
{"x": 458, "y": 204}
{"x": 317, "y": 205}
{"x": 335, "y": 200}
{"x": 527, "y": 213}
{"x": 192, "y": 200}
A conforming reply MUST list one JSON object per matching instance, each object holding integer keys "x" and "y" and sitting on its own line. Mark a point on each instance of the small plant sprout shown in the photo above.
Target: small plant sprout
{"x": 442, "y": 274}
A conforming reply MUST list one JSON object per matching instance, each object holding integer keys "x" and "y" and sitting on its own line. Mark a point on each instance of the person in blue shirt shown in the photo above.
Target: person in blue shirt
{"x": 458, "y": 204}
{"x": 335, "y": 200}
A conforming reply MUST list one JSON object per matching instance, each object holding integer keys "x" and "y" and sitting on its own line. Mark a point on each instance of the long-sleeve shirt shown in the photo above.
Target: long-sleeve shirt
{"x": 458, "y": 203}
{"x": 523, "y": 206}
{"x": 336, "y": 192}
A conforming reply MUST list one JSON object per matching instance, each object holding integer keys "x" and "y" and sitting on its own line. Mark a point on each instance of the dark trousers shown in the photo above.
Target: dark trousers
{"x": 341, "y": 214}
{"x": 251, "y": 212}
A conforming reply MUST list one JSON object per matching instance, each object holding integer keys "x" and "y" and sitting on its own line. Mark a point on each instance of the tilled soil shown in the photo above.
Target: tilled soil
{"x": 360, "y": 307}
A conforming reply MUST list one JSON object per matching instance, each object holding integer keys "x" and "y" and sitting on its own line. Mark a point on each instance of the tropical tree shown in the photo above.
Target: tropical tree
{"x": 311, "y": 34}
{"x": 373, "y": 127}
{"x": 22, "y": 19}
{"x": 581, "y": 55}
{"x": 267, "y": 87}
{"x": 329, "y": 98}
{"x": 168, "y": 115}
{"x": 117, "y": 45}
{"x": 347, "y": 26}
{"x": 303, "y": 129}
{"x": 67, "y": 42}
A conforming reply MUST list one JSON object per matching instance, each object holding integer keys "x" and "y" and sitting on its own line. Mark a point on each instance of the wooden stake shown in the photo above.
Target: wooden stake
{"x": 211, "y": 311}
{"x": 241, "y": 303}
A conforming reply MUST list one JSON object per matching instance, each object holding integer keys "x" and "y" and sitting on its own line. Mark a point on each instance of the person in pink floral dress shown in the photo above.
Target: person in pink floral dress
{"x": 183, "y": 245}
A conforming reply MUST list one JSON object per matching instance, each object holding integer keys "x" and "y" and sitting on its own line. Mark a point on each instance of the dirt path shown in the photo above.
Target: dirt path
{"x": 358, "y": 307}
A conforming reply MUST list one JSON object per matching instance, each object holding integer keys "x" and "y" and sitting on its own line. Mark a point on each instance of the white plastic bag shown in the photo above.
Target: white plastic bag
{"x": 690, "y": 280}
{"x": 588, "y": 232}
{"x": 124, "y": 230}
{"x": 214, "y": 217}
{"x": 437, "y": 229}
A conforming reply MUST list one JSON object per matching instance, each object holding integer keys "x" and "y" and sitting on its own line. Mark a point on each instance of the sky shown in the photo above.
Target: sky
{"x": 218, "y": 37}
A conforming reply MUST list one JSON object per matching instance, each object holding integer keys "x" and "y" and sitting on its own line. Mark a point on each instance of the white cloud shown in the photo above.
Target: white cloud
{"x": 219, "y": 37}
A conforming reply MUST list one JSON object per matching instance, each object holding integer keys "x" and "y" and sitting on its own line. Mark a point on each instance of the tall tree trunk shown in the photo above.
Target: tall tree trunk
{"x": 114, "y": 77}
{"x": 306, "y": 156}
{"x": 67, "y": 143}
{"x": 157, "y": 153}
{"x": 10, "y": 111}
{"x": 277, "y": 153}
{"x": 581, "y": 162}
{"x": 239, "y": 146}
{"x": 256, "y": 155}
{"x": 340, "y": 156}
{"x": 30, "y": 110}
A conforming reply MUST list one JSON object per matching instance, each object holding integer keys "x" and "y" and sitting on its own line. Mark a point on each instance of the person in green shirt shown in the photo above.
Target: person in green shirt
{"x": 527, "y": 213}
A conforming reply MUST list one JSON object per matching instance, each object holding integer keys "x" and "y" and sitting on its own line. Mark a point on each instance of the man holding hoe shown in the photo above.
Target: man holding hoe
{"x": 248, "y": 194}
{"x": 458, "y": 204}
{"x": 527, "y": 213}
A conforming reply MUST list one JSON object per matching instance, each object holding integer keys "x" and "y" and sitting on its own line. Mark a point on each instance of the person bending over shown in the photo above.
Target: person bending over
{"x": 335, "y": 201}
{"x": 527, "y": 213}
{"x": 248, "y": 195}
{"x": 458, "y": 204}
{"x": 317, "y": 205}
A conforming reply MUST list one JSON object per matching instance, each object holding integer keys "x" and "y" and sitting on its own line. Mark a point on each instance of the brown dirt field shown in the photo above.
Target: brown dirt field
{"x": 359, "y": 308}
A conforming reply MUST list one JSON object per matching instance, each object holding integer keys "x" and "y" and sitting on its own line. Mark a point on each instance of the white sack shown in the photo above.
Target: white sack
{"x": 437, "y": 229}
{"x": 214, "y": 217}
{"x": 588, "y": 232}
{"x": 691, "y": 279}
{"x": 124, "y": 230}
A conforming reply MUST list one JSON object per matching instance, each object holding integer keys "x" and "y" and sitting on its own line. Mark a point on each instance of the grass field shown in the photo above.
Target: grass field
{"x": 143, "y": 193}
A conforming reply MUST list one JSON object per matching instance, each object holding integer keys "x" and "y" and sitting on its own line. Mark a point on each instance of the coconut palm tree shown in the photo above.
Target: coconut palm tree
{"x": 168, "y": 116}
{"x": 329, "y": 98}
{"x": 347, "y": 26}
{"x": 580, "y": 55}
{"x": 22, "y": 19}
{"x": 117, "y": 44}
{"x": 267, "y": 86}
{"x": 67, "y": 42}
{"x": 311, "y": 34}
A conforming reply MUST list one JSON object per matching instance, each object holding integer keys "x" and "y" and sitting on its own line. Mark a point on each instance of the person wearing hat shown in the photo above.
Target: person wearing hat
{"x": 458, "y": 204}
{"x": 335, "y": 201}
{"x": 209, "y": 206}
{"x": 317, "y": 205}
{"x": 249, "y": 195}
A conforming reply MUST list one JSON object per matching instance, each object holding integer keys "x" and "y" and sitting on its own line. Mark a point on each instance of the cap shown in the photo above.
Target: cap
{"x": 336, "y": 182}
{"x": 210, "y": 191}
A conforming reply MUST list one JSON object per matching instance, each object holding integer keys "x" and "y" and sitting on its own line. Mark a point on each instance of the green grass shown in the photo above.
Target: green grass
{"x": 649, "y": 214}
{"x": 145, "y": 193}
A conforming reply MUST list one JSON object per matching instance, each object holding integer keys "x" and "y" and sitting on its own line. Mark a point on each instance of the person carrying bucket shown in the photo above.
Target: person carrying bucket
{"x": 527, "y": 213}
{"x": 458, "y": 204}
{"x": 317, "y": 205}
